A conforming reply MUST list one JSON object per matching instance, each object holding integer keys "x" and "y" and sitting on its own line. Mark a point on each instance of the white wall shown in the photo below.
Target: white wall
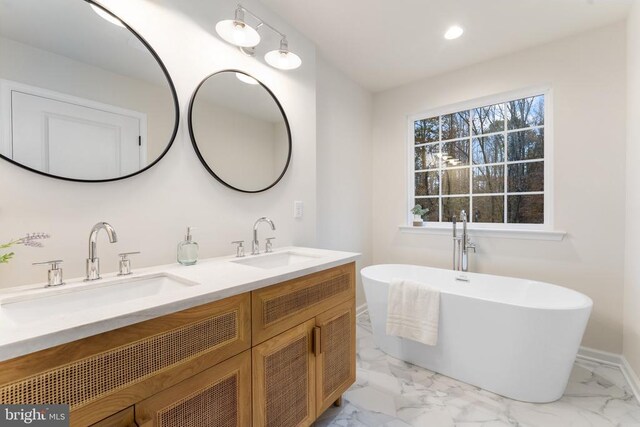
{"x": 587, "y": 74}
{"x": 151, "y": 210}
{"x": 344, "y": 165}
{"x": 632, "y": 247}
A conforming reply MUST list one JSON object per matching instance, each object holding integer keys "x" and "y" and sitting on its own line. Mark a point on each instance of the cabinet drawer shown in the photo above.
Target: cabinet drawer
{"x": 218, "y": 396}
{"x": 280, "y": 307}
{"x": 105, "y": 373}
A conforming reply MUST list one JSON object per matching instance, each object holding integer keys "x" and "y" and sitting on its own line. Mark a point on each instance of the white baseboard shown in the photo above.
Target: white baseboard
{"x": 612, "y": 359}
{"x": 361, "y": 309}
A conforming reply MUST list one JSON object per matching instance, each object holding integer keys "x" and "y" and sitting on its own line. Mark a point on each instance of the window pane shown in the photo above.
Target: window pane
{"x": 488, "y": 209}
{"x": 488, "y": 179}
{"x": 434, "y": 210}
{"x": 488, "y": 149}
{"x": 525, "y": 177}
{"x": 455, "y": 125}
{"x": 527, "y": 209}
{"x": 426, "y": 157}
{"x": 452, "y": 206}
{"x": 526, "y": 145}
{"x": 457, "y": 153}
{"x": 525, "y": 112}
{"x": 455, "y": 181}
{"x": 426, "y": 130}
{"x": 488, "y": 119}
{"x": 427, "y": 184}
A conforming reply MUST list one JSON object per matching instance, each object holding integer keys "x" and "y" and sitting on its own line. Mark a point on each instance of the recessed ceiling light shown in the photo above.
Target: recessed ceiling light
{"x": 453, "y": 32}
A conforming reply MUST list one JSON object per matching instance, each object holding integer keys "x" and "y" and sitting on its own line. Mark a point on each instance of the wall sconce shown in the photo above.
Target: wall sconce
{"x": 238, "y": 33}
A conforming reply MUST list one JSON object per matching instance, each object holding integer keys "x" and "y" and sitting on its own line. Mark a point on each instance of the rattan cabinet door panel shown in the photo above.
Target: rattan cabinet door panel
{"x": 336, "y": 354}
{"x": 284, "y": 379}
{"x": 217, "y": 397}
{"x": 280, "y": 307}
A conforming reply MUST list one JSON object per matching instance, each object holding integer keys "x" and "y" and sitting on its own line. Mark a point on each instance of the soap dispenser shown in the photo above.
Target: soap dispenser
{"x": 188, "y": 249}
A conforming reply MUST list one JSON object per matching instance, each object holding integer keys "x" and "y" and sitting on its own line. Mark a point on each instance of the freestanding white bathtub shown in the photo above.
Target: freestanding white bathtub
{"x": 514, "y": 337}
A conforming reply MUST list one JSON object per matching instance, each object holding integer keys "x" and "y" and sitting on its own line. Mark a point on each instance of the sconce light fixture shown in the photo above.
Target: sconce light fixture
{"x": 237, "y": 32}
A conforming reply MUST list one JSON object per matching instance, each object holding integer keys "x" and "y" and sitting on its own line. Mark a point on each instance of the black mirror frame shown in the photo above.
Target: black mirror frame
{"x": 195, "y": 144}
{"x": 175, "y": 105}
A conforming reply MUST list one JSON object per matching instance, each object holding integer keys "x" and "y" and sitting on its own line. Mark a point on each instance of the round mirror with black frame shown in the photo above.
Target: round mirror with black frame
{"x": 83, "y": 97}
{"x": 240, "y": 131}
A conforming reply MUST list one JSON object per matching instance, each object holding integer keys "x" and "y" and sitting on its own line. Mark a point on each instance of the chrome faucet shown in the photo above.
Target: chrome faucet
{"x": 93, "y": 262}
{"x": 255, "y": 244}
{"x": 461, "y": 244}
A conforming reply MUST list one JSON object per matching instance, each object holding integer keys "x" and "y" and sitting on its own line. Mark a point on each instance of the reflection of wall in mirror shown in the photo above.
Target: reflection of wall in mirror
{"x": 243, "y": 151}
{"x": 25, "y": 64}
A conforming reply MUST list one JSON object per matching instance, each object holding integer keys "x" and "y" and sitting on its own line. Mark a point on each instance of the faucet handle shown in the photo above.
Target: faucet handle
{"x": 268, "y": 247}
{"x": 239, "y": 248}
{"x": 54, "y": 277}
{"x": 124, "y": 265}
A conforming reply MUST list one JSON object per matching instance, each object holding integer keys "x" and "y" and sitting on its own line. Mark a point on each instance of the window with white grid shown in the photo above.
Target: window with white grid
{"x": 488, "y": 160}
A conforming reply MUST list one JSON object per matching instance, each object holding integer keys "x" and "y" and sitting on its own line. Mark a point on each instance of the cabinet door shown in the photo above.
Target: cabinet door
{"x": 335, "y": 353}
{"x": 284, "y": 379}
{"x": 217, "y": 397}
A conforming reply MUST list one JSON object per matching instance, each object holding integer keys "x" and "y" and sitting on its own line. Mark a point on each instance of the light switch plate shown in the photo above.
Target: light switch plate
{"x": 298, "y": 209}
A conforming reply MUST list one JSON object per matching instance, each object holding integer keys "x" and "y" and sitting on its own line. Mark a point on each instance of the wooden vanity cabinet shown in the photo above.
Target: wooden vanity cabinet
{"x": 277, "y": 356}
{"x": 299, "y": 372}
{"x": 106, "y": 373}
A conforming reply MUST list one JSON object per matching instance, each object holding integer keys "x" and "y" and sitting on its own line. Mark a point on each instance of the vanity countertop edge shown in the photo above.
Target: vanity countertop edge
{"x": 214, "y": 279}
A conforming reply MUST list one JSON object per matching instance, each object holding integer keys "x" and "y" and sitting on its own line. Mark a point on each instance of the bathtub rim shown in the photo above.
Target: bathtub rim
{"x": 587, "y": 301}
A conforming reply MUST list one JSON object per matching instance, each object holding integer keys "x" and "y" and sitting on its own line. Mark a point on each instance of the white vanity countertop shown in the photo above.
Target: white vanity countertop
{"x": 208, "y": 280}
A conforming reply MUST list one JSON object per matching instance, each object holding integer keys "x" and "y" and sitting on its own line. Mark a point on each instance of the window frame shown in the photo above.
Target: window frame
{"x": 470, "y": 104}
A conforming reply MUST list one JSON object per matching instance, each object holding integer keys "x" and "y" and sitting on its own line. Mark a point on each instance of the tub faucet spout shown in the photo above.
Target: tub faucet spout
{"x": 461, "y": 244}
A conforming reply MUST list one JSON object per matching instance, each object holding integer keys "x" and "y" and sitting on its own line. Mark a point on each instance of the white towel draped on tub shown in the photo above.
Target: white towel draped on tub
{"x": 413, "y": 311}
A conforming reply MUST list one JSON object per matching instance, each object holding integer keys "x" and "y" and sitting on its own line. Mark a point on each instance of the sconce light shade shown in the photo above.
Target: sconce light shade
{"x": 237, "y": 33}
{"x": 246, "y": 79}
{"x": 282, "y": 58}
{"x": 107, "y": 16}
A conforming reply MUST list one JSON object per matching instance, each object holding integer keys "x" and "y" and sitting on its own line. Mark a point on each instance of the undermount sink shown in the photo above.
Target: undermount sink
{"x": 57, "y": 302}
{"x": 275, "y": 260}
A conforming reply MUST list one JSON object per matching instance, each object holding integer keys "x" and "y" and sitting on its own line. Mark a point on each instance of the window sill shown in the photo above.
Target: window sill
{"x": 489, "y": 232}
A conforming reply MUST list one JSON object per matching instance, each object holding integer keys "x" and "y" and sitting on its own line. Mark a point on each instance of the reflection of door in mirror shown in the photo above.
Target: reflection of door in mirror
{"x": 70, "y": 136}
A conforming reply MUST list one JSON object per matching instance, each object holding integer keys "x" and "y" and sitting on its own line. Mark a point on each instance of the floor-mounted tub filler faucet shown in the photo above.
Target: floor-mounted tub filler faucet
{"x": 255, "y": 244}
{"x": 461, "y": 244}
{"x": 93, "y": 262}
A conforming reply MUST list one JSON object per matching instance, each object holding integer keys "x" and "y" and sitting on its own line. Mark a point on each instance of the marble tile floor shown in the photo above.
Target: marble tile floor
{"x": 391, "y": 393}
